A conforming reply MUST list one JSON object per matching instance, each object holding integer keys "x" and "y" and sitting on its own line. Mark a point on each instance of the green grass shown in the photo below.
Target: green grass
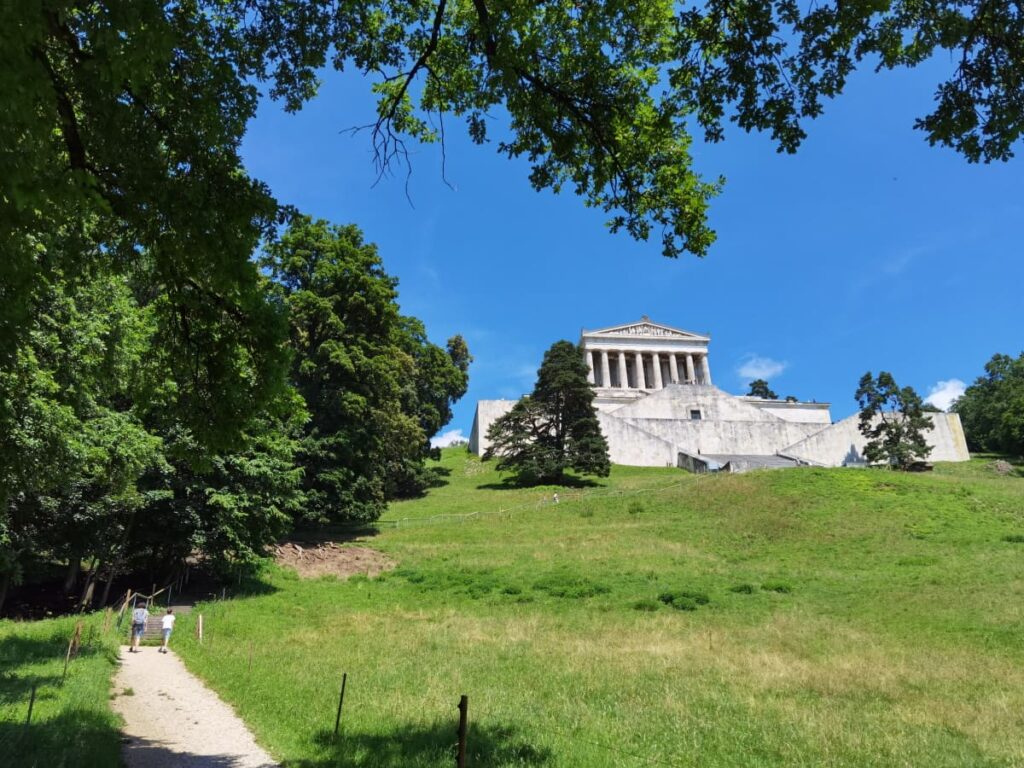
{"x": 72, "y": 725}
{"x": 795, "y": 617}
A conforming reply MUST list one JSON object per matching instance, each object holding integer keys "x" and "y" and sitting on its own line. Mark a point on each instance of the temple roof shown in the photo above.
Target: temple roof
{"x": 645, "y": 327}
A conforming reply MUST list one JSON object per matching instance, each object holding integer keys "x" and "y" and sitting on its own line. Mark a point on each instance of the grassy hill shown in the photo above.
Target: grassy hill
{"x": 796, "y": 617}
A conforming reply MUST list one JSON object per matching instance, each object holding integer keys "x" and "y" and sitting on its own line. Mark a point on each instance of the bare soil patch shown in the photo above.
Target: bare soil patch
{"x": 329, "y": 558}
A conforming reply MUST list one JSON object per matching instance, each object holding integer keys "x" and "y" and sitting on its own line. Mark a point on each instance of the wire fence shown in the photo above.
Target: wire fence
{"x": 539, "y": 503}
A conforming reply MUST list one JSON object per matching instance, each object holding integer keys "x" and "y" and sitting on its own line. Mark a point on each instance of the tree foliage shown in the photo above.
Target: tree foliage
{"x": 992, "y": 408}
{"x": 375, "y": 387}
{"x": 760, "y": 388}
{"x": 125, "y": 117}
{"x": 99, "y": 460}
{"x": 893, "y": 420}
{"x": 555, "y": 428}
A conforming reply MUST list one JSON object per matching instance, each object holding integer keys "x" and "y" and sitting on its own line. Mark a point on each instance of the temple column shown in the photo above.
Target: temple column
{"x": 623, "y": 378}
{"x": 606, "y": 378}
{"x": 705, "y": 370}
{"x": 673, "y": 368}
{"x": 656, "y": 365}
{"x": 641, "y": 379}
{"x": 590, "y": 367}
{"x": 691, "y": 377}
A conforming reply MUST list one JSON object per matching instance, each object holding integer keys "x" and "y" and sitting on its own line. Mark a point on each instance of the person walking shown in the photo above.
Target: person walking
{"x": 139, "y": 618}
{"x": 168, "y": 627}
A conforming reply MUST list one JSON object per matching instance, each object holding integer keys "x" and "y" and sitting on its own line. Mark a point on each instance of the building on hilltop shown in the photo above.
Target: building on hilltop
{"x": 658, "y": 407}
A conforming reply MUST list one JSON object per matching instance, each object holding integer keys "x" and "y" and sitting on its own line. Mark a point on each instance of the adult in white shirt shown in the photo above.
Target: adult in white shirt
{"x": 168, "y": 626}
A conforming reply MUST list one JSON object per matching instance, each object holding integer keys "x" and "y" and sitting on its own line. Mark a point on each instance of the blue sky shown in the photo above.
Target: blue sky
{"x": 866, "y": 250}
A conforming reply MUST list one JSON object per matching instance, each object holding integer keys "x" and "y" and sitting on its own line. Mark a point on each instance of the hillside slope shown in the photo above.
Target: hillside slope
{"x": 795, "y": 617}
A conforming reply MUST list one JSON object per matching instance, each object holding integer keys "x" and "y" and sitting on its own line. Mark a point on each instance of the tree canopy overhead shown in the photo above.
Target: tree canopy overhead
{"x": 122, "y": 123}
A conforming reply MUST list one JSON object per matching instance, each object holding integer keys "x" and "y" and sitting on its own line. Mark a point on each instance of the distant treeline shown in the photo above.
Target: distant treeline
{"x": 992, "y": 408}
{"x": 136, "y": 432}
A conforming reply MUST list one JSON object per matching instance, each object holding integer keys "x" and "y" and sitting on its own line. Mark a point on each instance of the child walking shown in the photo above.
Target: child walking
{"x": 139, "y": 618}
{"x": 168, "y": 627}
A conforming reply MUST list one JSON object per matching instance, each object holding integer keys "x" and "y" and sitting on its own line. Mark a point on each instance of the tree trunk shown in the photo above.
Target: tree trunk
{"x": 71, "y": 577}
{"x": 90, "y": 584}
{"x": 110, "y": 580}
{"x": 5, "y": 582}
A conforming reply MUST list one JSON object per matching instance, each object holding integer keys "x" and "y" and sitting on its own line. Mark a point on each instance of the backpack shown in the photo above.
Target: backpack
{"x": 139, "y": 616}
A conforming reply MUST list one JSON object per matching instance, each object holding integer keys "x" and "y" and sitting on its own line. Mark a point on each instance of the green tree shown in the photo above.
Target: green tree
{"x": 97, "y": 460}
{"x": 375, "y": 388}
{"x": 73, "y": 444}
{"x": 440, "y": 379}
{"x": 555, "y": 428}
{"x": 992, "y": 408}
{"x": 759, "y": 388}
{"x": 893, "y": 421}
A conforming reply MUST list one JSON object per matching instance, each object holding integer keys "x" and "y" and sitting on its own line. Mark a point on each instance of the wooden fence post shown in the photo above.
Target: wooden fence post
{"x": 199, "y": 629}
{"x": 460, "y": 755}
{"x": 73, "y": 643}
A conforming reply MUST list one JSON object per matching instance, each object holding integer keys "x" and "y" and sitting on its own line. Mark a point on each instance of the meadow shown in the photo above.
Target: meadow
{"x": 72, "y": 725}
{"x": 785, "y": 618}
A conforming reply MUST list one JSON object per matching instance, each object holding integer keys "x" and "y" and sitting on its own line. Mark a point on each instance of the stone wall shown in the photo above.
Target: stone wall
{"x": 652, "y": 431}
{"x": 632, "y": 446}
{"x": 486, "y": 413}
{"x": 764, "y": 438}
{"x": 842, "y": 444}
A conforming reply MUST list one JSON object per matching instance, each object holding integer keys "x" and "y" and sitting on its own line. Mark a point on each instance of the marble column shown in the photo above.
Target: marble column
{"x": 656, "y": 365}
{"x": 705, "y": 370}
{"x": 641, "y": 379}
{"x": 606, "y": 378}
{"x": 623, "y": 378}
{"x": 673, "y": 368}
{"x": 691, "y": 377}
{"x": 590, "y": 367}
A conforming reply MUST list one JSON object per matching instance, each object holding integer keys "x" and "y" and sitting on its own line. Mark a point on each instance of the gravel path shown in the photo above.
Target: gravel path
{"x": 173, "y": 719}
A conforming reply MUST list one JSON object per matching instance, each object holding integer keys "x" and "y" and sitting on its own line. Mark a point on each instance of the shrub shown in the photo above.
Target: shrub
{"x": 777, "y": 586}
{"x": 684, "y": 600}
{"x": 743, "y": 589}
{"x": 569, "y": 586}
{"x": 646, "y": 604}
{"x": 1014, "y": 538}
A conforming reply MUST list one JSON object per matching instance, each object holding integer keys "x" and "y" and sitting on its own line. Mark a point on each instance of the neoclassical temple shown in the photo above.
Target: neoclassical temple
{"x": 627, "y": 361}
{"x": 657, "y": 407}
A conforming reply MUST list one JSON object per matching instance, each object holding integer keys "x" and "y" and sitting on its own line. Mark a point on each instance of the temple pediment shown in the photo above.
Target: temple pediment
{"x": 645, "y": 328}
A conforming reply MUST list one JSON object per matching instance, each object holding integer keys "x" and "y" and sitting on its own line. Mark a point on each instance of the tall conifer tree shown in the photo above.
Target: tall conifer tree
{"x": 556, "y": 427}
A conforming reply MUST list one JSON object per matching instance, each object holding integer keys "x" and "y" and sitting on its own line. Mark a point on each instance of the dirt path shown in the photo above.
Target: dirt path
{"x": 173, "y": 719}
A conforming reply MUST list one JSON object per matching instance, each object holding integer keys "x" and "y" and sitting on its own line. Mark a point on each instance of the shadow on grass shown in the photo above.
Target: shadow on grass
{"x": 81, "y": 738}
{"x": 426, "y": 745}
{"x": 16, "y": 651}
{"x": 569, "y": 481}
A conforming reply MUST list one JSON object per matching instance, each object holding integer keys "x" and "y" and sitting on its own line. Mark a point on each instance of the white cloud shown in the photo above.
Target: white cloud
{"x": 445, "y": 439}
{"x": 757, "y": 367}
{"x": 944, "y": 393}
